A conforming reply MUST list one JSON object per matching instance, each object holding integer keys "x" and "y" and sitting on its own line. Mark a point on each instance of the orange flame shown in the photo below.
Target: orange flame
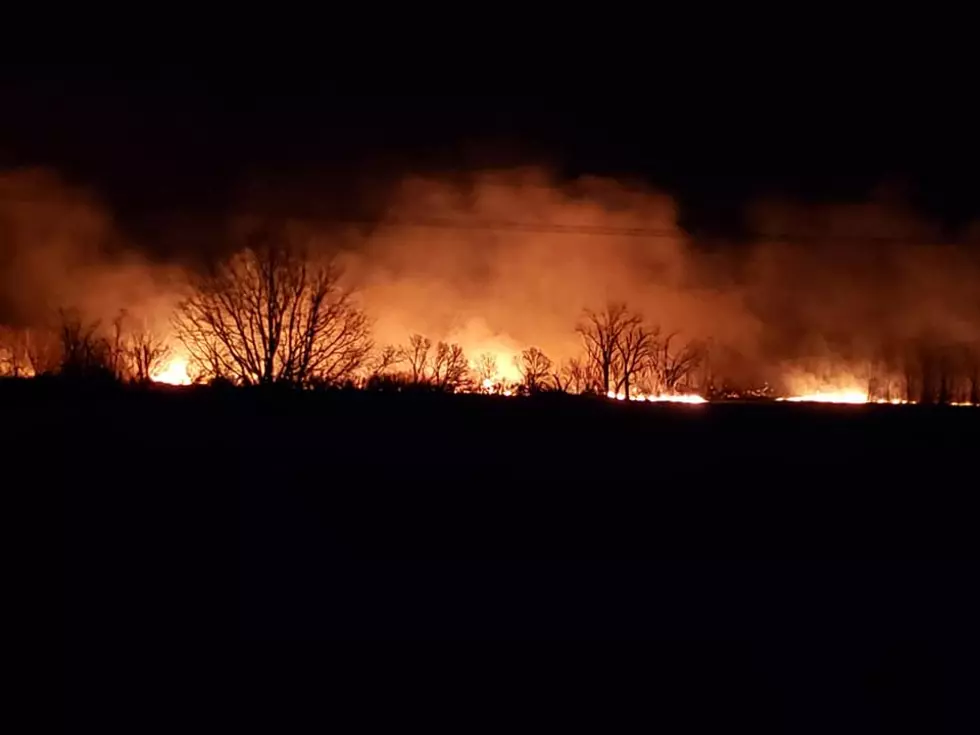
{"x": 173, "y": 372}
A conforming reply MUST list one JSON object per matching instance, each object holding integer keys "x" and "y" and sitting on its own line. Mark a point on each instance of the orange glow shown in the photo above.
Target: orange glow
{"x": 691, "y": 399}
{"x": 688, "y": 399}
{"x": 845, "y": 396}
{"x": 499, "y": 261}
{"x": 173, "y": 372}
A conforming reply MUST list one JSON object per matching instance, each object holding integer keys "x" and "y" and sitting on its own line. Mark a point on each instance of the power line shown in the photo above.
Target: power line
{"x": 609, "y": 231}
{"x": 510, "y": 226}
{"x": 652, "y": 233}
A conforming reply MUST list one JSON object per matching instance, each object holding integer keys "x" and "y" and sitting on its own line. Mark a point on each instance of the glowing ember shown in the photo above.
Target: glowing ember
{"x": 174, "y": 372}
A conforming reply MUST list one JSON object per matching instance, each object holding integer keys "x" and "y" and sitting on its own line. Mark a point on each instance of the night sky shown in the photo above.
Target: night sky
{"x": 157, "y": 139}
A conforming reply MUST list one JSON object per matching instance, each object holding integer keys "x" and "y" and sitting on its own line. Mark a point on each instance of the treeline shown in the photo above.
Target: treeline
{"x": 929, "y": 370}
{"x": 74, "y": 348}
{"x": 275, "y": 314}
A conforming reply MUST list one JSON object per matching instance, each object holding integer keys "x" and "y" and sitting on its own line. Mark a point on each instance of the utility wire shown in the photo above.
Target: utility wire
{"x": 652, "y": 233}
{"x": 608, "y": 231}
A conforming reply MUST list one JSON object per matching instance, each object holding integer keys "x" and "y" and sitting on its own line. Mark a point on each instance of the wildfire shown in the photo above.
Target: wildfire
{"x": 660, "y": 398}
{"x": 853, "y": 397}
{"x": 173, "y": 372}
{"x": 845, "y": 396}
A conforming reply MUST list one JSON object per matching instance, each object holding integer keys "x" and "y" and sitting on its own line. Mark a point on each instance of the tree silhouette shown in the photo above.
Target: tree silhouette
{"x": 84, "y": 352}
{"x": 672, "y": 365}
{"x": 444, "y": 368}
{"x": 576, "y": 375}
{"x": 381, "y": 362}
{"x": 449, "y": 367}
{"x": 600, "y": 332}
{"x": 146, "y": 354}
{"x": 535, "y": 368}
{"x": 486, "y": 368}
{"x": 635, "y": 346}
{"x": 416, "y": 354}
{"x": 272, "y": 313}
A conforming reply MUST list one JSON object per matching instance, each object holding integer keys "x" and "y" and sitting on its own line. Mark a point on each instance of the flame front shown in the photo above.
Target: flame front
{"x": 173, "y": 372}
{"x": 688, "y": 398}
{"x": 844, "y": 396}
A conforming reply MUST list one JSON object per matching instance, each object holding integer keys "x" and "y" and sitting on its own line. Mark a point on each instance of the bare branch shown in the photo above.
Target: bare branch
{"x": 145, "y": 354}
{"x": 416, "y": 354}
{"x": 535, "y": 368}
{"x": 383, "y": 361}
{"x": 670, "y": 367}
{"x": 635, "y": 346}
{"x": 600, "y": 331}
{"x": 486, "y": 369}
{"x": 577, "y": 375}
{"x": 450, "y": 368}
{"x": 273, "y": 314}
{"x": 84, "y": 352}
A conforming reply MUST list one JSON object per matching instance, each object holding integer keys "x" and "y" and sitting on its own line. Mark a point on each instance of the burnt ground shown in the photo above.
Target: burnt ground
{"x": 830, "y": 546}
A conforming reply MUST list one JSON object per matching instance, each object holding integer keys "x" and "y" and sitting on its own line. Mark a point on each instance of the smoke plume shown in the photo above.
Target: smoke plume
{"x": 501, "y": 260}
{"x": 60, "y": 249}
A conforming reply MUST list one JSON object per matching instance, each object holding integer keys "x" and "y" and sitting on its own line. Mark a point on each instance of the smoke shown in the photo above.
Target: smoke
{"x": 501, "y": 260}
{"x": 60, "y": 249}
{"x": 511, "y": 259}
{"x": 849, "y": 285}
{"x": 817, "y": 288}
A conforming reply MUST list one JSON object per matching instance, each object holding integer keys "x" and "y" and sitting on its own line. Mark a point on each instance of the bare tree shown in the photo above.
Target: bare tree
{"x": 445, "y": 367}
{"x": 600, "y": 332}
{"x": 85, "y": 353}
{"x": 449, "y": 367}
{"x": 635, "y": 347}
{"x": 271, "y": 313}
{"x": 671, "y": 366}
{"x": 145, "y": 354}
{"x": 576, "y": 376}
{"x": 416, "y": 354}
{"x": 384, "y": 360}
{"x": 560, "y": 379}
{"x": 535, "y": 368}
{"x": 486, "y": 368}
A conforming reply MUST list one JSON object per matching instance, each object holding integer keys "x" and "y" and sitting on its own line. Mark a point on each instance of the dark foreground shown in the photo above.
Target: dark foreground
{"x": 768, "y": 544}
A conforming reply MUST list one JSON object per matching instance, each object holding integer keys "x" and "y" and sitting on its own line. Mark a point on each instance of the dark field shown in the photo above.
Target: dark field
{"x": 553, "y": 478}
{"x": 239, "y": 517}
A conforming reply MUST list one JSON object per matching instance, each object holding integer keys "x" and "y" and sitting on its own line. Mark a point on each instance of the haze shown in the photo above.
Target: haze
{"x": 499, "y": 261}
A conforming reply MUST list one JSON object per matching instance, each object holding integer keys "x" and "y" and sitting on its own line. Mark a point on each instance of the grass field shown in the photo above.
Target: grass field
{"x": 554, "y": 477}
{"x": 198, "y": 524}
